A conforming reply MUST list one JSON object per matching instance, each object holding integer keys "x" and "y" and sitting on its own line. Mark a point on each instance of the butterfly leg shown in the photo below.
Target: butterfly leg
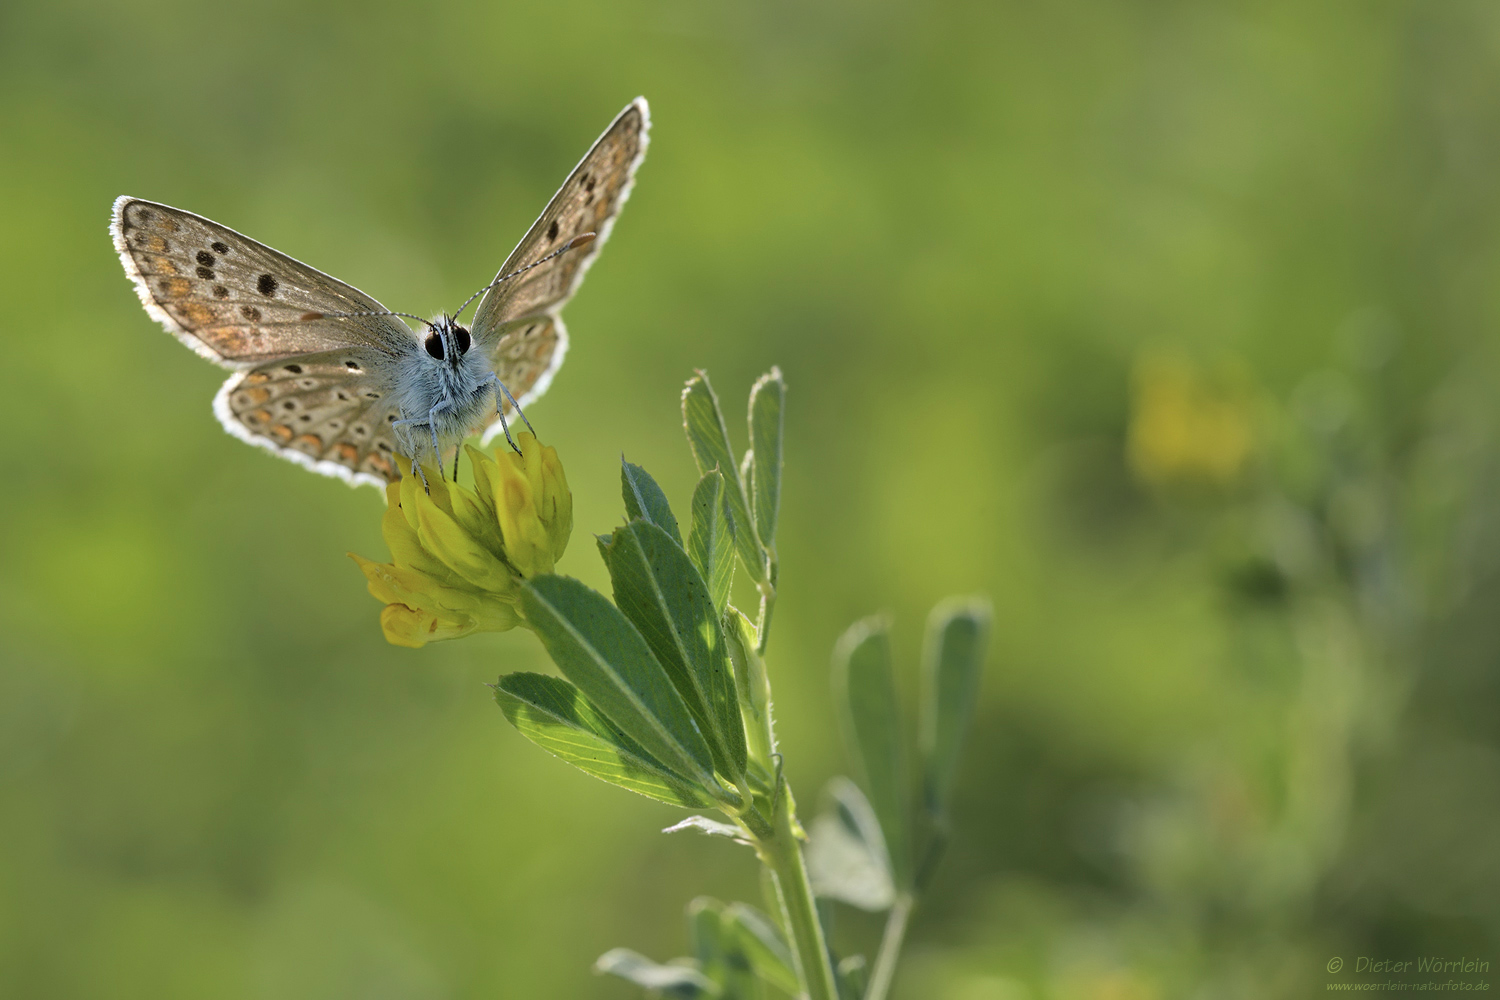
{"x": 437, "y": 450}
{"x": 416, "y": 470}
{"x": 500, "y": 411}
{"x": 519, "y": 411}
{"x": 431, "y": 424}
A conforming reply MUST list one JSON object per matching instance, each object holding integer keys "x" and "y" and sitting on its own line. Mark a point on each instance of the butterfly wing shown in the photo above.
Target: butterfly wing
{"x": 588, "y": 201}
{"x": 525, "y": 358}
{"x": 236, "y": 301}
{"x": 328, "y": 412}
{"x": 250, "y": 308}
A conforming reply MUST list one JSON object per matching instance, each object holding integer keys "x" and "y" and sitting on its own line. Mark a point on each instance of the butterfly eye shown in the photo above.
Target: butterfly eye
{"x": 434, "y": 346}
{"x": 462, "y": 336}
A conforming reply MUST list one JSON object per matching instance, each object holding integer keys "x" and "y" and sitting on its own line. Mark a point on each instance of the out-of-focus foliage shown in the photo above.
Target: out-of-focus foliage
{"x": 1170, "y": 326}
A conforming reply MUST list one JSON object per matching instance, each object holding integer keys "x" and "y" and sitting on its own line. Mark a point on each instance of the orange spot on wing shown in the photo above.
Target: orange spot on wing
{"x": 348, "y": 454}
{"x": 176, "y": 287}
{"x": 197, "y": 311}
{"x": 281, "y": 432}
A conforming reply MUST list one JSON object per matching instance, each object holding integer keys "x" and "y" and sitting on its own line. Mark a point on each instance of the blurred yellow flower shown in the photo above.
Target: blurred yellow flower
{"x": 458, "y": 555}
{"x": 1185, "y": 427}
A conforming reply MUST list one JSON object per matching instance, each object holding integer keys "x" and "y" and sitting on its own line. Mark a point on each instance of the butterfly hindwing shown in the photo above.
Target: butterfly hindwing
{"x": 236, "y": 301}
{"x": 331, "y": 412}
{"x": 525, "y": 358}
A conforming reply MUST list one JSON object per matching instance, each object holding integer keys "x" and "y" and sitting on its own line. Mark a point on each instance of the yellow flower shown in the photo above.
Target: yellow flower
{"x": 1185, "y": 427}
{"x": 458, "y": 555}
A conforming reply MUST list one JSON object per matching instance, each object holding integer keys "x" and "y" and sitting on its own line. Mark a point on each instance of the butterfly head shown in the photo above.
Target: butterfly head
{"x": 446, "y": 341}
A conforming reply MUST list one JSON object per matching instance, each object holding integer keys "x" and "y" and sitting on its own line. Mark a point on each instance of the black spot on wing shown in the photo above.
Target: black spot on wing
{"x": 219, "y": 248}
{"x": 205, "y": 258}
{"x": 207, "y": 273}
{"x": 552, "y": 231}
{"x": 267, "y": 284}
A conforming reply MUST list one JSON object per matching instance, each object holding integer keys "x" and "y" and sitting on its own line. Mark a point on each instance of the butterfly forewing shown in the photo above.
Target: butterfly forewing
{"x": 235, "y": 300}
{"x": 586, "y": 203}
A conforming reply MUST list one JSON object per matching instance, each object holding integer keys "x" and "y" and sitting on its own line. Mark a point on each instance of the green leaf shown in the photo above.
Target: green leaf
{"x": 645, "y": 500}
{"x": 767, "y": 400}
{"x": 846, "y": 854}
{"x": 554, "y": 715}
{"x": 716, "y": 943}
{"x": 752, "y": 683}
{"x": 709, "y": 440}
{"x": 853, "y": 977}
{"x": 866, "y": 689}
{"x": 952, "y": 662}
{"x": 710, "y": 542}
{"x": 681, "y": 982}
{"x": 659, "y": 589}
{"x": 764, "y": 946}
{"x": 597, "y": 648}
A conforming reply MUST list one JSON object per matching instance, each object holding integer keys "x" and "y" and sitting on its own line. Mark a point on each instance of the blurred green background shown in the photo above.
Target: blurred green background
{"x": 1168, "y": 325}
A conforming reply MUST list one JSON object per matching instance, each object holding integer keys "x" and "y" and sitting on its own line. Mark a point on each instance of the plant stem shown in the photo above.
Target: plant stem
{"x": 890, "y": 948}
{"x": 767, "y": 605}
{"x": 783, "y": 855}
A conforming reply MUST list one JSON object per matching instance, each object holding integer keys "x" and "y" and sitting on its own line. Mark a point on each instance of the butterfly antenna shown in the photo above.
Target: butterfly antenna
{"x": 581, "y": 240}
{"x": 309, "y": 316}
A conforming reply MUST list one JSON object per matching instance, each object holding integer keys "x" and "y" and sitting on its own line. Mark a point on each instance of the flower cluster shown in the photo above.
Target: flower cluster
{"x": 458, "y": 556}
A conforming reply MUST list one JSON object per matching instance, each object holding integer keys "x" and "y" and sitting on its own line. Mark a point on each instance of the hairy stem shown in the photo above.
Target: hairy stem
{"x": 890, "y": 948}
{"x": 783, "y": 855}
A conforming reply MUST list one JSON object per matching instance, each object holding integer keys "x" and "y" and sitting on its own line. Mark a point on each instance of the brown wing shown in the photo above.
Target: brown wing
{"x": 236, "y": 301}
{"x": 328, "y": 412}
{"x": 587, "y": 202}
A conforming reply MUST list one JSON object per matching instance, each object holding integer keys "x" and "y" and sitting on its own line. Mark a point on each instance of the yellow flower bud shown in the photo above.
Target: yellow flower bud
{"x": 458, "y": 555}
{"x": 556, "y": 504}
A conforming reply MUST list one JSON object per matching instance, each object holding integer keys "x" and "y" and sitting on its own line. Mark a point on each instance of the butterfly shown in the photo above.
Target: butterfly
{"x": 326, "y": 376}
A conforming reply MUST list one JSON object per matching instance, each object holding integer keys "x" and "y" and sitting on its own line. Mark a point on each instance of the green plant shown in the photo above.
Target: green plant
{"x": 665, "y": 691}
